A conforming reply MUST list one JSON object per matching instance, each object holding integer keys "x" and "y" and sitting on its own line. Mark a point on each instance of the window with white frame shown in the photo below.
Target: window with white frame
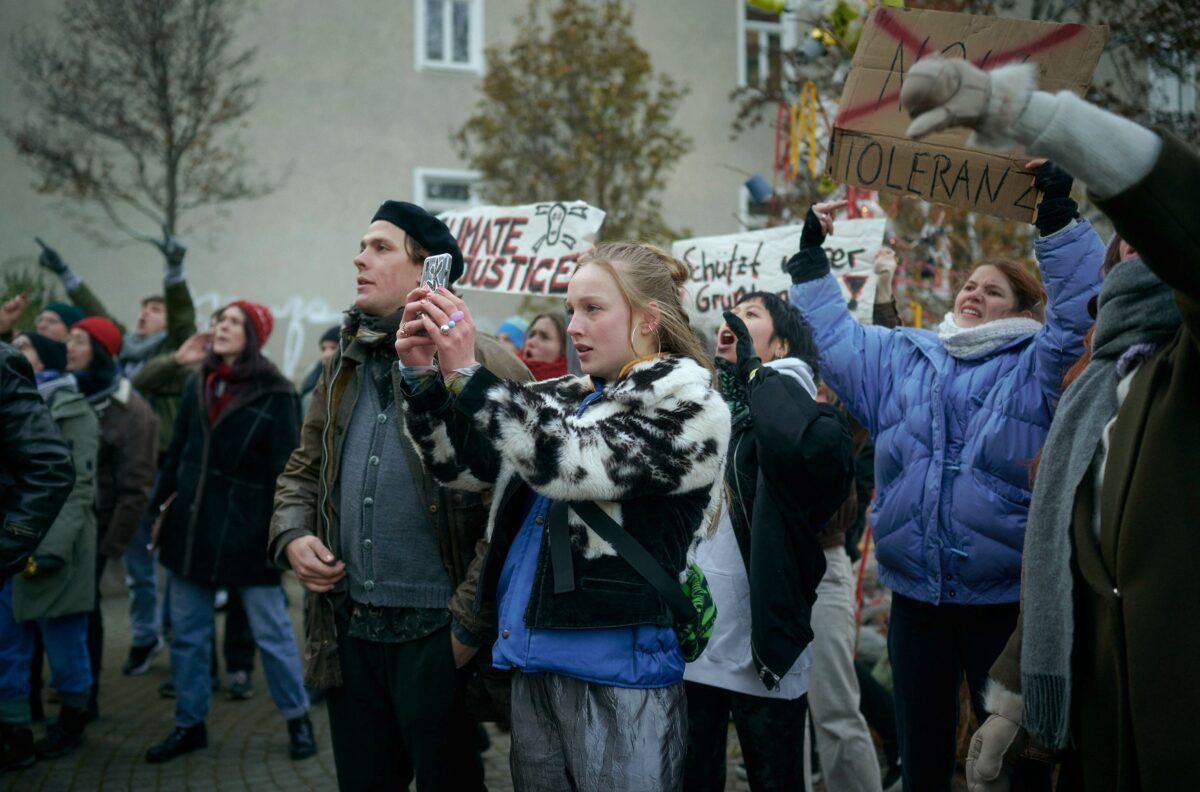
{"x": 1171, "y": 92}
{"x": 763, "y": 37}
{"x": 449, "y": 34}
{"x": 440, "y": 190}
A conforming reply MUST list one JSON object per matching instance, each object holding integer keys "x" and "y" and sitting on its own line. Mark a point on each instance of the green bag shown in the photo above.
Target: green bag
{"x": 693, "y": 635}
{"x": 691, "y": 602}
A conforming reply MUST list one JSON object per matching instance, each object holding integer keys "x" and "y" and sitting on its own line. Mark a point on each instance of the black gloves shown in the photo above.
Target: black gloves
{"x": 748, "y": 361}
{"x": 1057, "y": 209}
{"x": 173, "y": 251}
{"x": 51, "y": 260}
{"x": 811, "y": 262}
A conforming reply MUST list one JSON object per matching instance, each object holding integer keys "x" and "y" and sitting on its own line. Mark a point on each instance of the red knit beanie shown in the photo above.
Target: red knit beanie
{"x": 105, "y": 331}
{"x": 260, "y": 316}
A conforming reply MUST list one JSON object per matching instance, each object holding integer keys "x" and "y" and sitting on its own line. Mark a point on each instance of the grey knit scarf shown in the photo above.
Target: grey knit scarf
{"x": 1135, "y": 308}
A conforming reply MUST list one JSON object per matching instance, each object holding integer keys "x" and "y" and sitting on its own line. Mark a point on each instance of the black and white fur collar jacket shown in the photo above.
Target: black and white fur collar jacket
{"x": 650, "y": 450}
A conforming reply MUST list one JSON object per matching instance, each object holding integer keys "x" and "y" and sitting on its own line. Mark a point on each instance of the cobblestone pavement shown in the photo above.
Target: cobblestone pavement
{"x": 247, "y": 740}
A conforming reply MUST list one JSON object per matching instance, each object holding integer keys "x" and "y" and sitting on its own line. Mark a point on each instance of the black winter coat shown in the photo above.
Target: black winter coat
{"x": 790, "y": 468}
{"x": 36, "y": 471}
{"x": 215, "y": 532}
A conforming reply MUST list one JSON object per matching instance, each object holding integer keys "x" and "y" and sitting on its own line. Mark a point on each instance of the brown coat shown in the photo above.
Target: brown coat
{"x": 125, "y": 467}
{"x": 1136, "y": 643}
{"x": 305, "y": 504}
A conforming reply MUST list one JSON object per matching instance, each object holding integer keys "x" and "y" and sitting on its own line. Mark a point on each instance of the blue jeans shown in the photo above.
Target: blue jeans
{"x": 141, "y": 577}
{"x": 65, "y": 639}
{"x": 192, "y": 640}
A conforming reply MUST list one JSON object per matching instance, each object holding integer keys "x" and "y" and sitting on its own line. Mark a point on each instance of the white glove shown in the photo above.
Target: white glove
{"x": 941, "y": 93}
{"x": 995, "y": 738}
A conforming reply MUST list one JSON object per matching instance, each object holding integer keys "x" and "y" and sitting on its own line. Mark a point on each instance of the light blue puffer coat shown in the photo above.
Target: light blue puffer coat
{"x": 954, "y": 438}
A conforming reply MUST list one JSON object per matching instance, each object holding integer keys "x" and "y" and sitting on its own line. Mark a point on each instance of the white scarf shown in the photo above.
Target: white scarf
{"x": 973, "y": 343}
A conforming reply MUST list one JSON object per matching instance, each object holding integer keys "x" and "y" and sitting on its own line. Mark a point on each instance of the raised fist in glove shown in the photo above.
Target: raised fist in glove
{"x": 941, "y": 93}
{"x": 50, "y": 259}
{"x": 1057, "y": 207}
{"x": 172, "y": 249}
{"x": 885, "y": 273}
{"x": 748, "y": 361}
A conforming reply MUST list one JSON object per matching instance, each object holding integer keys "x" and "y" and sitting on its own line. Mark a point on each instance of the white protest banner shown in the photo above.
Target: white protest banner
{"x": 523, "y": 249}
{"x": 724, "y": 269}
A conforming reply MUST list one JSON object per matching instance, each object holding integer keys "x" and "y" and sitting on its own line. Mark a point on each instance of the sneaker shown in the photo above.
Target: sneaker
{"x": 181, "y": 741}
{"x": 64, "y": 735}
{"x": 239, "y": 688}
{"x": 302, "y": 743}
{"x": 893, "y": 781}
{"x": 16, "y": 747}
{"x": 140, "y": 657}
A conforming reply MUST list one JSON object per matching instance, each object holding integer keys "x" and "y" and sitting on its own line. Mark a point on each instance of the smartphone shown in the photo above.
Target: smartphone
{"x": 436, "y": 272}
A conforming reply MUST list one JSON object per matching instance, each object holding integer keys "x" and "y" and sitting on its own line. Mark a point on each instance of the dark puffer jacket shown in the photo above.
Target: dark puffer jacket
{"x": 790, "y": 467}
{"x": 36, "y": 471}
{"x": 223, "y": 475}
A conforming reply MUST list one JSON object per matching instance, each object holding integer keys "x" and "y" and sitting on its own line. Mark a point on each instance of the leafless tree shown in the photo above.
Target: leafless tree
{"x": 134, "y": 107}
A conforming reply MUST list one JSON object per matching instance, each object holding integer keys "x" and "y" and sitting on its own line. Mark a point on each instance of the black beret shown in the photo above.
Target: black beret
{"x": 53, "y": 354}
{"x": 431, "y": 233}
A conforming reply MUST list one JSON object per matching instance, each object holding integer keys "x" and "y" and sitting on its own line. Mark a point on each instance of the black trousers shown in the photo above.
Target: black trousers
{"x": 399, "y": 715}
{"x": 931, "y": 648}
{"x": 771, "y": 733}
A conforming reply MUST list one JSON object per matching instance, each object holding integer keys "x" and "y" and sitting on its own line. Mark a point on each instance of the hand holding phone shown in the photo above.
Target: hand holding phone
{"x": 436, "y": 272}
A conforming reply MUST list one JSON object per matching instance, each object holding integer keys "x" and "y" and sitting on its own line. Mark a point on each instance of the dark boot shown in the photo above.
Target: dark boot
{"x": 302, "y": 743}
{"x": 180, "y": 742}
{"x": 16, "y": 747}
{"x": 64, "y": 735}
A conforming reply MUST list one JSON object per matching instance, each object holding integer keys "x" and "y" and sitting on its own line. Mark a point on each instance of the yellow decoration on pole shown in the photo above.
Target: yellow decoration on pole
{"x": 916, "y": 312}
{"x": 804, "y": 122}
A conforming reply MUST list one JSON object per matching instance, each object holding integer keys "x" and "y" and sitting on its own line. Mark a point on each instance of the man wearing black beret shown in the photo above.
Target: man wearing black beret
{"x": 390, "y": 557}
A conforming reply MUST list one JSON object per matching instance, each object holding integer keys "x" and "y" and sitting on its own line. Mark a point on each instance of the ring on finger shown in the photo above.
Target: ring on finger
{"x": 445, "y": 329}
{"x": 457, "y": 316}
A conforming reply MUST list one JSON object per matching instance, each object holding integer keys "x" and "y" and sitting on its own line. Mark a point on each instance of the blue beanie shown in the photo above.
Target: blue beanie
{"x": 68, "y": 313}
{"x": 514, "y": 327}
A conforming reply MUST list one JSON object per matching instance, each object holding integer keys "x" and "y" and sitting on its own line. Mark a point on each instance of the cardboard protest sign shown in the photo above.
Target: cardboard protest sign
{"x": 869, "y": 148}
{"x": 724, "y": 269}
{"x": 523, "y": 249}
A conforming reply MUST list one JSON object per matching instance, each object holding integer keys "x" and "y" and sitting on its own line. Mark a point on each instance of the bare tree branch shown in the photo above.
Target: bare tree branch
{"x": 135, "y": 105}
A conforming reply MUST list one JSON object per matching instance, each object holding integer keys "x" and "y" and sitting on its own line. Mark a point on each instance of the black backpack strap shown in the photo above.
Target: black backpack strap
{"x": 637, "y": 557}
{"x": 560, "y": 548}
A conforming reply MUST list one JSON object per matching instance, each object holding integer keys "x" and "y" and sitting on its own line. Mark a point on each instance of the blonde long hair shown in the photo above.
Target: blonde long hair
{"x": 647, "y": 274}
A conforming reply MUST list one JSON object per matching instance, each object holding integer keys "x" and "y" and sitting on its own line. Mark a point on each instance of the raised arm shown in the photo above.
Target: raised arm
{"x": 854, "y": 357}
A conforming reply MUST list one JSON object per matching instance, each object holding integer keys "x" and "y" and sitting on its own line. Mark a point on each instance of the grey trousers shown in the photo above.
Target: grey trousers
{"x": 573, "y": 735}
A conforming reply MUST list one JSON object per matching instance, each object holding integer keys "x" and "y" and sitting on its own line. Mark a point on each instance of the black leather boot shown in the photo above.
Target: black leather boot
{"x": 180, "y": 742}
{"x": 64, "y": 735}
{"x": 302, "y": 743}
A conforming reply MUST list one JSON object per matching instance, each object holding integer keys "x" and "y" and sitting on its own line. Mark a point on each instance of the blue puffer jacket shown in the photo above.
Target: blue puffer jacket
{"x": 954, "y": 438}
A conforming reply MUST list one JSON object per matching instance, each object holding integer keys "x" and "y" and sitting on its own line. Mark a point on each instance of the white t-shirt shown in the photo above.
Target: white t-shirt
{"x": 726, "y": 662}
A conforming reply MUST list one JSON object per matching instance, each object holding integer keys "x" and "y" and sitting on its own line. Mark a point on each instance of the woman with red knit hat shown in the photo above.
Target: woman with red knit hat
{"x": 238, "y": 423}
{"x": 127, "y": 459}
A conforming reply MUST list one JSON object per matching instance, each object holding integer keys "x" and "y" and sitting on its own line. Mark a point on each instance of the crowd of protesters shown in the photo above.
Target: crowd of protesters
{"x": 624, "y": 559}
